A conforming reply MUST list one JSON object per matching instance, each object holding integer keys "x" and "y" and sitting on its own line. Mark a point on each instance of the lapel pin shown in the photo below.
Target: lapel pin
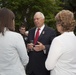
{"x": 43, "y": 32}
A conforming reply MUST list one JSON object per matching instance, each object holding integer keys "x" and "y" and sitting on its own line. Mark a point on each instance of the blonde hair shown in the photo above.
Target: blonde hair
{"x": 66, "y": 20}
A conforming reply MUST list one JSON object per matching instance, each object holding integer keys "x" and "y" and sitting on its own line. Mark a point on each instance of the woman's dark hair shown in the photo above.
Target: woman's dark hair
{"x": 6, "y": 20}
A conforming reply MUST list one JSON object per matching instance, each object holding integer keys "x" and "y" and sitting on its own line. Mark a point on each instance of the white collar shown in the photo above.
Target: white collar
{"x": 41, "y": 29}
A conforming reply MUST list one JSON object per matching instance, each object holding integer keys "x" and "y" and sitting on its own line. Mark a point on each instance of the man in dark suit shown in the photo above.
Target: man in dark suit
{"x": 39, "y": 39}
{"x": 22, "y": 31}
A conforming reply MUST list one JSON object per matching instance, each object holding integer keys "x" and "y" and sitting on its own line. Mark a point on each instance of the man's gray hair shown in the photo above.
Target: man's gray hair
{"x": 40, "y": 14}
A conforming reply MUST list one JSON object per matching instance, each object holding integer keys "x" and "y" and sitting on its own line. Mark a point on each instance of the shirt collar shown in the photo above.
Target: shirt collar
{"x": 41, "y": 27}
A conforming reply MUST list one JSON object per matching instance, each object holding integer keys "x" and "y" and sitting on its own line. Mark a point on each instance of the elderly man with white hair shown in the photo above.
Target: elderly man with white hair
{"x": 39, "y": 40}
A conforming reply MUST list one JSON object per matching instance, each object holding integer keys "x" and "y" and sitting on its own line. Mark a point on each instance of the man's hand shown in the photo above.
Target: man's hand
{"x": 39, "y": 47}
{"x": 30, "y": 46}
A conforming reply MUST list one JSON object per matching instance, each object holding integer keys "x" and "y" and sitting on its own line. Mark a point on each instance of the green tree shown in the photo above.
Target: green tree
{"x": 70, "y": 5}
{"x": 27, "y": 8}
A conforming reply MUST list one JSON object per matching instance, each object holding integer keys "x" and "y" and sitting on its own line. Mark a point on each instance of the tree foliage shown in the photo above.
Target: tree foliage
{"x": 27, "y": 8}
{"x": 70, "y": 5}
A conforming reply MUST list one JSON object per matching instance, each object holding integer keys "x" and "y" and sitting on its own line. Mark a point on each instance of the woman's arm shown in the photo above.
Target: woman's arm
{"x": 53, "y": 55}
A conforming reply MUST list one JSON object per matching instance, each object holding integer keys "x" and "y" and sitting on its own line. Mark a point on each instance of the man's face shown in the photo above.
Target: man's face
{"x": 38, "y": 20}
{"x": 22, "y": 30}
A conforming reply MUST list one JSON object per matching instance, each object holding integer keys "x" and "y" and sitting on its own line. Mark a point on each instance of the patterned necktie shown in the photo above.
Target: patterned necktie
{"x": 36, "y": 36}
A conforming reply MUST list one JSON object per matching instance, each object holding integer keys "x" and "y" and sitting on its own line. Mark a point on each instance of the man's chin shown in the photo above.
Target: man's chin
{"x": 38, "y": 26}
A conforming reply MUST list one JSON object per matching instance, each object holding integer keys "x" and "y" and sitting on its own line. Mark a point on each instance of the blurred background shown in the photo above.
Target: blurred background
{"x": 25, "y": 9}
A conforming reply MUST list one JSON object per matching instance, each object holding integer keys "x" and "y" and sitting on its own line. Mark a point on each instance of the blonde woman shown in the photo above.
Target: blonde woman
{"x": 61, "y": 59}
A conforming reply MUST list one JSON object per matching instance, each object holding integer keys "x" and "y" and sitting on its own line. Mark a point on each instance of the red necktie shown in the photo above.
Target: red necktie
{"x": 36, "y": 36}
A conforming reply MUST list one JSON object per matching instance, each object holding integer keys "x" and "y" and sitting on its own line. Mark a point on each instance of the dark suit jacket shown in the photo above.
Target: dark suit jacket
{"x": 37, "y": 59}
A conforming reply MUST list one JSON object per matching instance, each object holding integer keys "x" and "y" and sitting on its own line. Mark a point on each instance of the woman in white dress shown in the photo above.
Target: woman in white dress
{"x": 13, "y": 54}
{"x": 61, "y": 59}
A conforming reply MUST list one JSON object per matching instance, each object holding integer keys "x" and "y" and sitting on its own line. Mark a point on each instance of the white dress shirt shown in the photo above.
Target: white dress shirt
{"x": 41, "y": 29}
{"x": 61, "y": 59}
{"x": 13, "y": 54}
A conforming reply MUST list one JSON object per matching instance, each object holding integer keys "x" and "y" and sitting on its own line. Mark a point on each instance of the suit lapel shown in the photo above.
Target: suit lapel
{"x": 42, "y": 33}
{"x": 33, "y": 33}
